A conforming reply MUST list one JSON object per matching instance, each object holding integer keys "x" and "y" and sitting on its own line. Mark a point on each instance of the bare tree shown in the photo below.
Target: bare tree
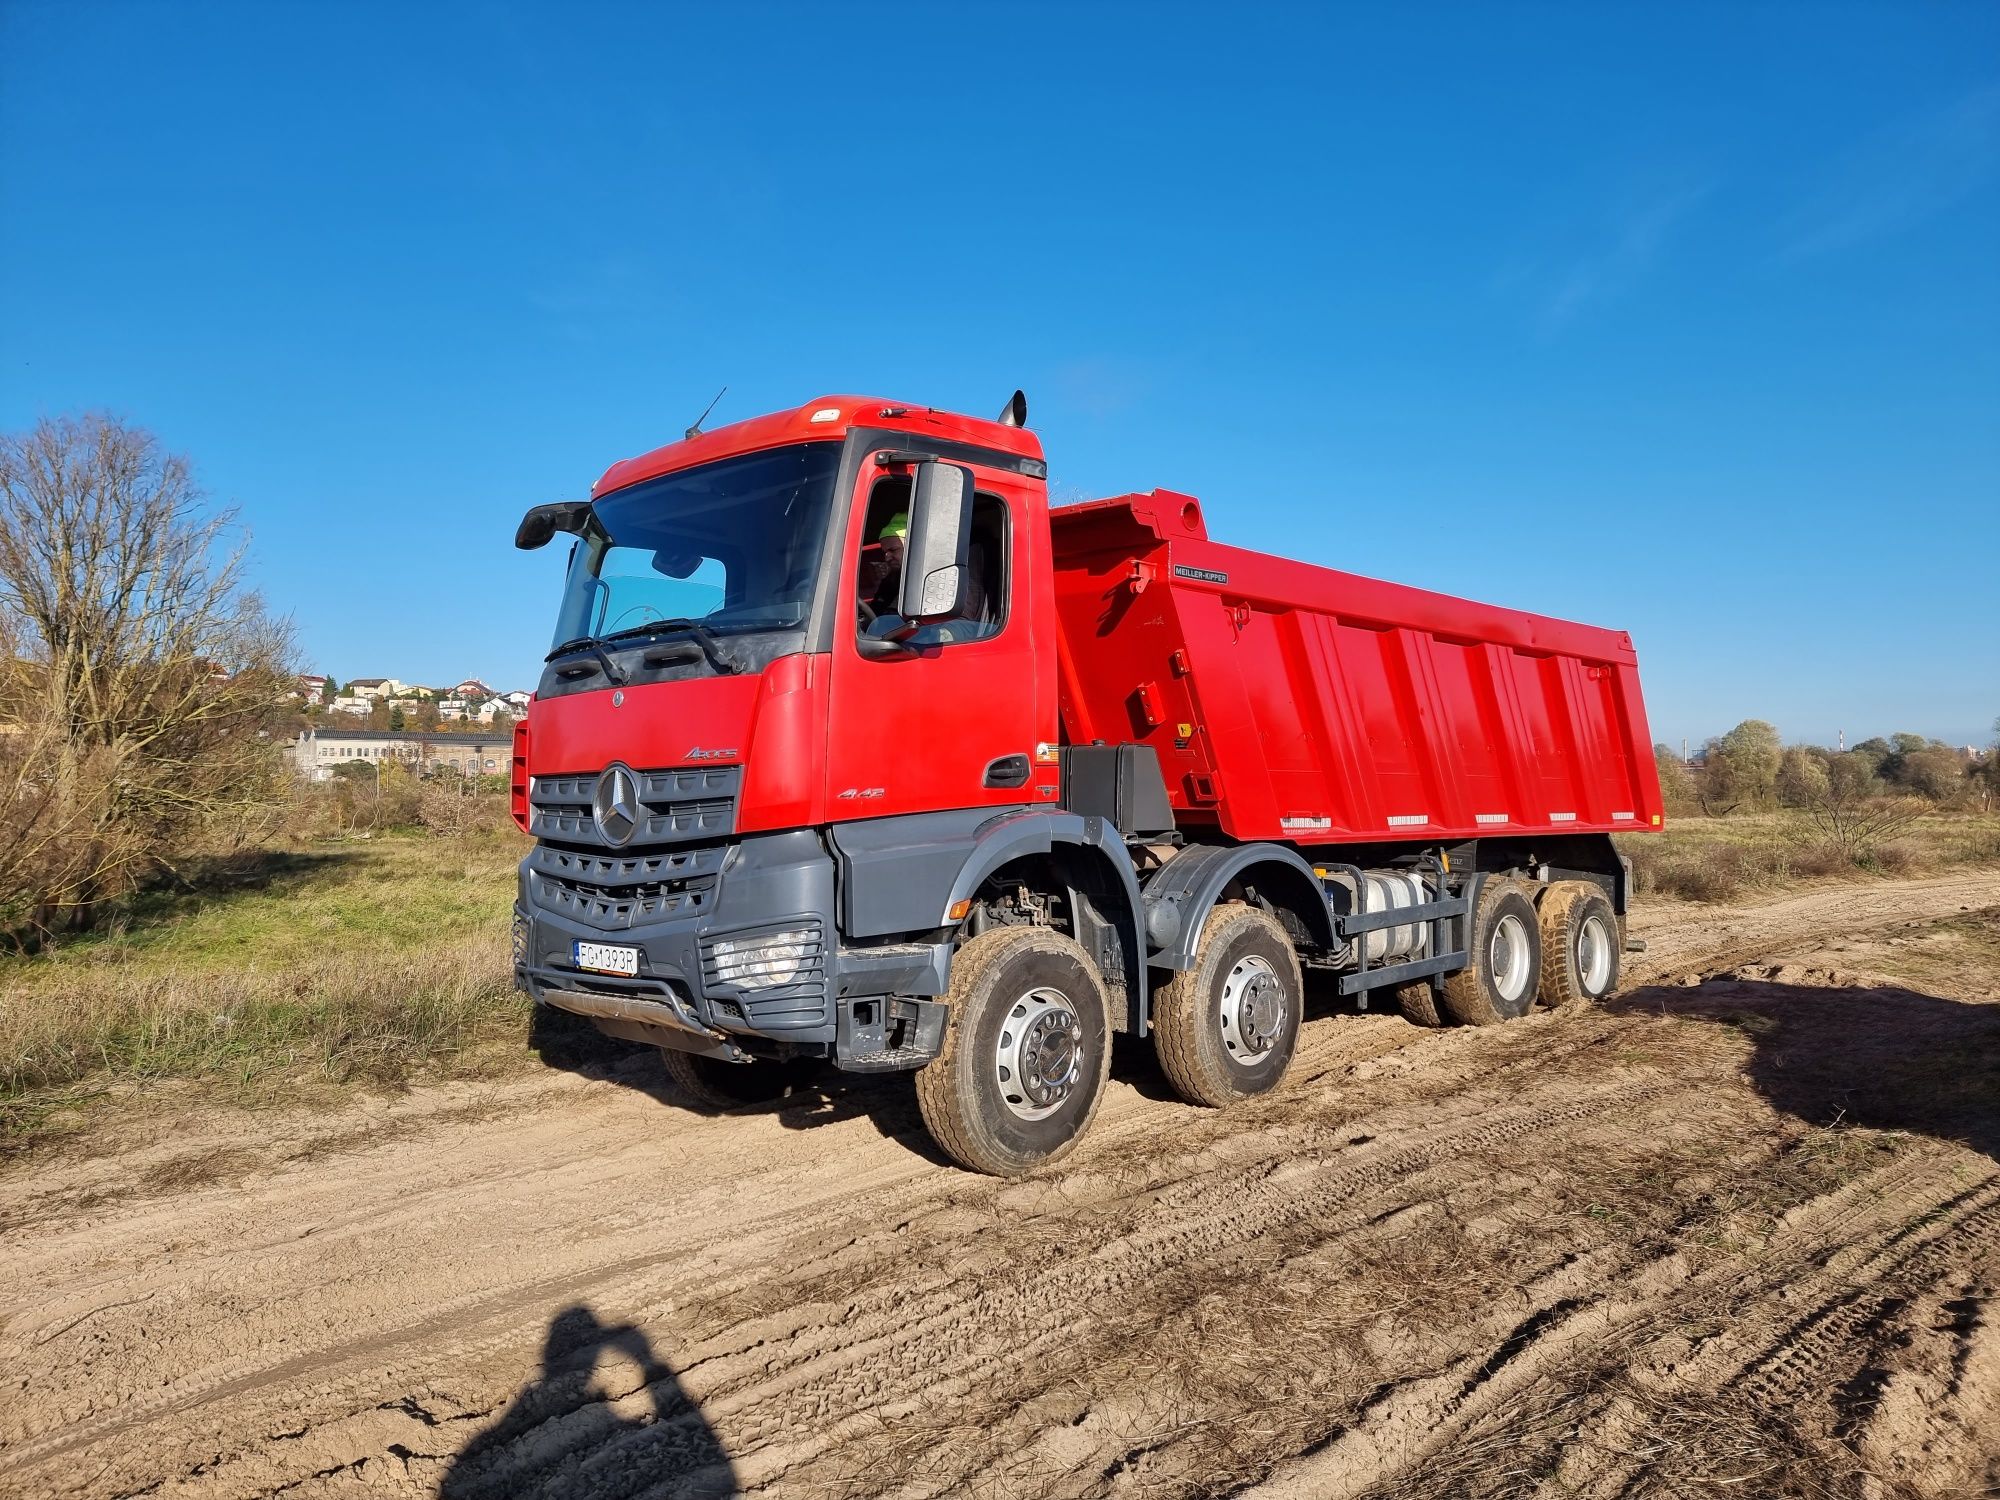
{"x": 142, "y": 678}
{"x": 1842, "y": 811}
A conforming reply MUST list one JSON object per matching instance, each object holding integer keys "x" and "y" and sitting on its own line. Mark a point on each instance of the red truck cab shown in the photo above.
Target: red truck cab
{"x": 847, "y": 749}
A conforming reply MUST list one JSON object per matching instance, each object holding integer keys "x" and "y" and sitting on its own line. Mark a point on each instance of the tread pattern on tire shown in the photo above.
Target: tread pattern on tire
{"x": 1559, "y": 911}
{"x": 938, "y": 1098}
{"x": 1180, "y": 1006}
{"x": 1465, "y": 992}
{"x": 1418, "y": 1003}
{"x": 697, "y": 1083}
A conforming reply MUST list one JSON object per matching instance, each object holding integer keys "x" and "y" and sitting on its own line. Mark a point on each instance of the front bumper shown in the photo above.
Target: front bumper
{"x": 675, "y": 908}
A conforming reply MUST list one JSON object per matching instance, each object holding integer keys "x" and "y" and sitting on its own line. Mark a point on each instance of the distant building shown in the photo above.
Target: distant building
{"x": 377, "y": 687}
{"x": 311, "y": 688}
{"x": 517, "y": 702}
{"x": 348, "y": 703}
{"x": 316, "y": 752}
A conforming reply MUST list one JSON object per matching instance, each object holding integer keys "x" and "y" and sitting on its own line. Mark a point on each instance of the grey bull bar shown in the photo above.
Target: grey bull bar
{"x": 667, "y": 1012}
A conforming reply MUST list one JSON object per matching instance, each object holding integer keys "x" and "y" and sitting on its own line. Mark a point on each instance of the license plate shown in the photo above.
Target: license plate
{"x": 605, "y": 958}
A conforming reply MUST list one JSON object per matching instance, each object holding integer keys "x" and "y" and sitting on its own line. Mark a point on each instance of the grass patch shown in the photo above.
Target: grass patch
{"x": 1718, "y": 859}
{"x": 369, "y": 963}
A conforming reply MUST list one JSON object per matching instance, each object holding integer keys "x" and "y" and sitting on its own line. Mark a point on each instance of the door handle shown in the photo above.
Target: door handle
{"x": 1007, "y": 771}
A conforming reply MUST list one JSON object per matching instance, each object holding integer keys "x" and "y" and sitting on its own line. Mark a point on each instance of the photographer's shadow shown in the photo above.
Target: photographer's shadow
{"x": 605, "y": 1416}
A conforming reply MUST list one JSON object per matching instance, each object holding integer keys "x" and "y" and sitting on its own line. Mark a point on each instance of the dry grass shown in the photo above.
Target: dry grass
{"x": 1718, "y": 859}
{"x": 365, "y": 964}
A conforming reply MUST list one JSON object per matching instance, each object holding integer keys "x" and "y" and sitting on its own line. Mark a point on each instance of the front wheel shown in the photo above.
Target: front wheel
{"x": 1027, "y": 1046}
{"x": 1226, "y": 1028}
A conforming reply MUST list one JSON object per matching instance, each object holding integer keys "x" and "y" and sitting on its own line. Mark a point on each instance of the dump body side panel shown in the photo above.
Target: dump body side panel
{"x": 1298, "y": 703}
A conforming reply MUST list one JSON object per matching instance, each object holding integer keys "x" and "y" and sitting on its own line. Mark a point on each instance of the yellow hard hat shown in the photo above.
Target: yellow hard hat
{"x": 899, "y": 525}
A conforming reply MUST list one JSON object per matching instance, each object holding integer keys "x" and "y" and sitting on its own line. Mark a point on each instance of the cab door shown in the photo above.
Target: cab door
{"x": 955, "y": 718}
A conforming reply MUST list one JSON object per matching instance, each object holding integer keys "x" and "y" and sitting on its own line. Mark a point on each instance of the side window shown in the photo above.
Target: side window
{"x": 986, "y": 593}
{"x": 880, "y": 571}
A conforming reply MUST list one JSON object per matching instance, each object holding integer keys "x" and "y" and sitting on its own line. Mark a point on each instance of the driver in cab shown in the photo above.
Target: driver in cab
{"x": 880, "y": 592}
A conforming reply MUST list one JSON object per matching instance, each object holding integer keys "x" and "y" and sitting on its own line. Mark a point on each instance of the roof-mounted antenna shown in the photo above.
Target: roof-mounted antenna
{"x": 1015, "y": 412}
{"x": 695, "y": 431}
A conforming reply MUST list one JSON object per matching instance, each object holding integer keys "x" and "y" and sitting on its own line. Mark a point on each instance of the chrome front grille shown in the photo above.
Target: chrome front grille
{"x": 675, "y": 807}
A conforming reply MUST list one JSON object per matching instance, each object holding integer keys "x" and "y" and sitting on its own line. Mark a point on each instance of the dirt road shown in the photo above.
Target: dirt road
{"x": 1605, "y": 1253}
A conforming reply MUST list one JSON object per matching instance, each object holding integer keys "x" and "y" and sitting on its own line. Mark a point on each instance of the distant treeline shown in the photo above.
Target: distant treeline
{"x": 1750, "y": 770}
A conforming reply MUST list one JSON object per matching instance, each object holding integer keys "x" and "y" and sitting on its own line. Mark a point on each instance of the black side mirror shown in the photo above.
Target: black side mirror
{"x": 935, "y": 552}
{"x": 544, "y": 521}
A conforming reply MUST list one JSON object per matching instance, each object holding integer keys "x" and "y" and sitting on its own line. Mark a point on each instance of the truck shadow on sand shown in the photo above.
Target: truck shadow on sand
{"x": 604, "y": 1417}
{"x": 814, "y": 1096}
{"x": 1836, "y": 1049}
{"x": 817, "y": 1096}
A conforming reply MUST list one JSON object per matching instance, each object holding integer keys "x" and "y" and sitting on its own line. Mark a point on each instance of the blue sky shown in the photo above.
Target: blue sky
{"x": 1684, "y": 320}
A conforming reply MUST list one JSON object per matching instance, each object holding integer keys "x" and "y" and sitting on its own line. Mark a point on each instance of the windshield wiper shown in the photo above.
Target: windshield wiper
{"x": 595, "y": 646}
{"x": 696, "y": 631}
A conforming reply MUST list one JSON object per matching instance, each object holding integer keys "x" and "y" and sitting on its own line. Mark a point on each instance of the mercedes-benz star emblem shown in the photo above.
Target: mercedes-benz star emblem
{"x": 615, "y": 804}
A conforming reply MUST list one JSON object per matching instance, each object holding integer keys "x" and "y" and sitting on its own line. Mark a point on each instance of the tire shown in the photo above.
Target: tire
{"x": 1019, "y": 997}
{"x": 1418, "y": 1003}
{"x": 711, "y": 1083}
{"x": 1227, "y": 1028}
{"x": 1506, "y": 952}
{"x": 1580, "y": 944}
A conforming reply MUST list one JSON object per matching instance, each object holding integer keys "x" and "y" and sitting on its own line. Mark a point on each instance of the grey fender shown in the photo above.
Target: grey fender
{"x": 1092, "y": 858}
{"x": 1180, "y": 895}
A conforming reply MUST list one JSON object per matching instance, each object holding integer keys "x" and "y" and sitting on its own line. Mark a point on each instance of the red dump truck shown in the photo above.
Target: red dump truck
{"x": 850, "y": 748}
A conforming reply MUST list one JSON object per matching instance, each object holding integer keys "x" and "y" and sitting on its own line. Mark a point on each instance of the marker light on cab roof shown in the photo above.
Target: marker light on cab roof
{"x": 827, "y": 414}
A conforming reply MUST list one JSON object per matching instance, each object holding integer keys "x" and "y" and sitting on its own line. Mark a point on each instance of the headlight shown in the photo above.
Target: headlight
{"x": 758, "y": 963}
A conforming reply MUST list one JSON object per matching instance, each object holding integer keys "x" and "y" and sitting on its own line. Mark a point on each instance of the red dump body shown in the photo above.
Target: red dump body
{"x": 1294, "y": 702}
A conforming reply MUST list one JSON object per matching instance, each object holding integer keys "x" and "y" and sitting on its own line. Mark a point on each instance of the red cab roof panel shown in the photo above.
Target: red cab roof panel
{"x": 827, "y": 419}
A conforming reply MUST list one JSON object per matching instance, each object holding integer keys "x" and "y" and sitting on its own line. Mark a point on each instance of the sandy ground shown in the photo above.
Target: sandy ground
{"x": 1737, "y": 1237}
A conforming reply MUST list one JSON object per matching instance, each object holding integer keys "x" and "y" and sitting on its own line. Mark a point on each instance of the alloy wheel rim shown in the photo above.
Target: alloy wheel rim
{"x": 1593, "y": 955}
{"x": 1038, "y": 1058}
{"x": 1253, "y": 1010}
{"x": 1507, "y": 957}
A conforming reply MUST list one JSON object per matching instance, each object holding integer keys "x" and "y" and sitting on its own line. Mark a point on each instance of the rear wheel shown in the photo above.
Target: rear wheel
{"x": 1506, "y": 952}
{"x": 1579, "y": 944}
{"x": 1418, "y": 1003}
{"x": 1027, "y": 1046}
{"x": 1227, "y": 1028}
{"x": 712, "y": 1083}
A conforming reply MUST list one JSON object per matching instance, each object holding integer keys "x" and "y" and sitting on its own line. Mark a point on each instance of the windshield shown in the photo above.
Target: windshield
{"x": 733, "y": 546}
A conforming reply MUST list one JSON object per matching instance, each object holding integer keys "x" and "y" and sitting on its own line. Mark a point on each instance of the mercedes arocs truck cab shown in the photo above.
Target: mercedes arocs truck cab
{"x": 848, "y": 748}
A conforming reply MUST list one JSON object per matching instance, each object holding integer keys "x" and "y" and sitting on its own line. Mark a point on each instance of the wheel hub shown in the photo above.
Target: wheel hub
{"x": 1039, "y": 1056}
{"x": 1507, "y": 958}
{"x": 1593, "y": 957}
{"x": 1253, "y": 1009}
